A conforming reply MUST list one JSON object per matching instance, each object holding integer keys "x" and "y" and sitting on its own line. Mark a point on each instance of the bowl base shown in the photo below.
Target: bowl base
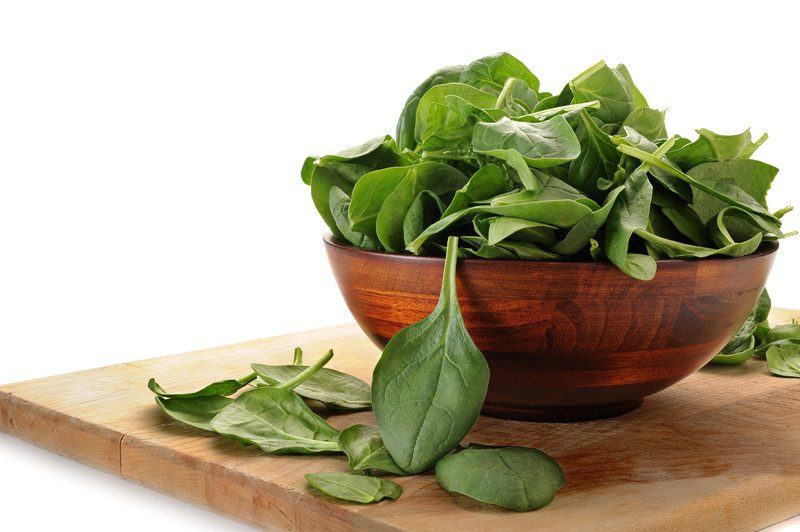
{"x": 561, "y": 412}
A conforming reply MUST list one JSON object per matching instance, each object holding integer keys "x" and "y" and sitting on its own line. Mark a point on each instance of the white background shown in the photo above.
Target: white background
{"x": 150, "y": 152}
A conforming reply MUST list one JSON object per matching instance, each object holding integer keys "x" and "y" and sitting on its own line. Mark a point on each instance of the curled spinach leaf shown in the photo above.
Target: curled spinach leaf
{"x": 366, "y": 452}
{"x": 355, "y": 488}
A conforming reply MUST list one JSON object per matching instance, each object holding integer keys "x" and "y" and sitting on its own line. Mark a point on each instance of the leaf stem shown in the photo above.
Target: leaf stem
{"x": 298, "y": 357}
{"x": 507, "y": 89}
{"x": 247, "y": 379}
{"x": 298, "y": 379}
{"x": 449, "y": 273}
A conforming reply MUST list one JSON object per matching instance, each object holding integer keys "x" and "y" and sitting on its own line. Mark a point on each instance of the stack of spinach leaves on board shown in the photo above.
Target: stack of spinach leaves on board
{"x": 428, "y": 389}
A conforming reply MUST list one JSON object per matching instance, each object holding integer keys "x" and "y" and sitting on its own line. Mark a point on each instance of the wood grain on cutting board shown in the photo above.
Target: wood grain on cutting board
{"x": 716, "y": 451}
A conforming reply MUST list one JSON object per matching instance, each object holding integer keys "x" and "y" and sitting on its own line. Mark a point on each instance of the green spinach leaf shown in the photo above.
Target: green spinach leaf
{"x": 429, "y": 384}
{"x": 355, "y": 488}
{"x": 366, "y": 452}
{"x": 519, "y": 478}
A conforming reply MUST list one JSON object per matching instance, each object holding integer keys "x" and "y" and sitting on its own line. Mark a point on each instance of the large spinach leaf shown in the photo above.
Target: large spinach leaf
{"x": 429, "y": 384}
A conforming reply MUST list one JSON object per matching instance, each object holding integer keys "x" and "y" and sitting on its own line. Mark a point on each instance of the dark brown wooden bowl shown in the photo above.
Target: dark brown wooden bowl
{"x": 564, "y": 340}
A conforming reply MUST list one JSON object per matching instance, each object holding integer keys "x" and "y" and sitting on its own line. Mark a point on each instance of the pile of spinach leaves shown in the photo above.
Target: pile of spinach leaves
{"x": 588, "y": 173}
{"x": 428, "y": 390}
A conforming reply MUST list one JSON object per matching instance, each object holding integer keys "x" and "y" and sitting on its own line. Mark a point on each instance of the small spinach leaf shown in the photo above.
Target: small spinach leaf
{"x": 195, "y": 411}
{"x": 356, "y": 488}
{"x": 366, "y": 452}
{"x": 784, "y": 359}
{"x": 226, "y": 387}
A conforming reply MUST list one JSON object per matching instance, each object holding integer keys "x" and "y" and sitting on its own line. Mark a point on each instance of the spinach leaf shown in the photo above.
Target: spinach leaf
{"x": 338, "y": 391}
{"x": 742, "y": 345}
{"x": 443, "y": 117}
{"x": 519, "y": 478}
{"x": 340, "y": 203}
{"x": 609, "y": 87}
{"x": 752, "y": 177}
{"x": 369, "y": 194}
{"x": 648, "y": 122}
{"x": 277, "y": 421}
{"x": 542, "y": 144}
{"x": 738, "y": 353}
{"x": 598, "y": 157}
{"x": 726, "y": 192}
{"x": 710, "y": 147}
{"x": 407, "y": 120}
{"x": 356, "y": 488}
{"x": 587, "y": 227}
{"x": 784, "y": 360}
{"x": 680, "y": 250}
{"x": 429, "y": 384}
{"x": 426, "y": 209}
{"x": 344, "y": 169}
{"x": 486, "y": 183}
{"x": 492, "y": 72}
{"x": 195, "y": 411}
{"x": 366, "y": 452}
{"x": 439, "y": 178}
{"x": 569, "y": 112}
{"x": 226, "y": 387}
{"x": 502, "y": 227}
{"x": 786, "y": 331}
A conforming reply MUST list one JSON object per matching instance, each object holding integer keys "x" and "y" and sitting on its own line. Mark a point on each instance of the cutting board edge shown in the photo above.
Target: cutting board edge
{"x": 88, "y": 443}
{"x": 228, "y": 491}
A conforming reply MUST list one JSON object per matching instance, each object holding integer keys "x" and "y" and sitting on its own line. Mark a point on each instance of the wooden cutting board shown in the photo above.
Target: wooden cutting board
{"x": 719, "y": 450}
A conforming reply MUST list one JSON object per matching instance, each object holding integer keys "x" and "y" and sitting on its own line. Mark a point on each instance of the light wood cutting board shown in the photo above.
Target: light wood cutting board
{"x": 719, "y": 450}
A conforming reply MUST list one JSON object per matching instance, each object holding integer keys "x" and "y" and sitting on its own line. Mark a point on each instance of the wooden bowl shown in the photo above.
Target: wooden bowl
{"x": 564, "y": 340}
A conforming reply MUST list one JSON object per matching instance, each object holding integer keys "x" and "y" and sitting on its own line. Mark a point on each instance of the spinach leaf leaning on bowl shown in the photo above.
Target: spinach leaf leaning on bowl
{"x": 599, "y": 138}
{"x": 430, "y": 382}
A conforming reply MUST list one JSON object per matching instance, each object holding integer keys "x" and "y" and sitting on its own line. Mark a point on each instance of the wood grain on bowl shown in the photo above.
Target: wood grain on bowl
{"x": 564, "y": 340}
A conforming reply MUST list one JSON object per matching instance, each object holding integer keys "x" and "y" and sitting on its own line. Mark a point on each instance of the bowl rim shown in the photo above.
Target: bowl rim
{"x": 766, "y": 248}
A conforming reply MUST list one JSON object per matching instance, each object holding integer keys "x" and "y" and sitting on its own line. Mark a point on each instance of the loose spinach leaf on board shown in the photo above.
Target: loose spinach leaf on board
{"x": 355, "y": 488}
{"x": 519, "y": 478}
{"x": 784, "y": 360}
{"x": 277, "y": 420}
{"x": 429, "y": 384}
{"x": 226, "y": 387}
{"x": 366, "y": 452}
{"x": 195, "y": 411}
{"x": 338, "y": 391}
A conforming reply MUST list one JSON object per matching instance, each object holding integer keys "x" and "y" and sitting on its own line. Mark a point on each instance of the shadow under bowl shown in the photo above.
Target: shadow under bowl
{"x": 564, "y": 341}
